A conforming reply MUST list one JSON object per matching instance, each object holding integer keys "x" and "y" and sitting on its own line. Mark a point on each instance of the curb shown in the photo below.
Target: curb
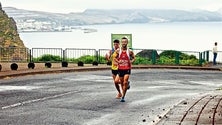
{"x": 50, "y": 71}
{"x": 202, "y": 109}
{"x": 93, "y": 68}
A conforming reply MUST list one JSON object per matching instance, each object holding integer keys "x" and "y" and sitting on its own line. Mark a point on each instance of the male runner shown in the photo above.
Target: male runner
{"x": 124, "y": 65}
{"x": 110, "y": 56}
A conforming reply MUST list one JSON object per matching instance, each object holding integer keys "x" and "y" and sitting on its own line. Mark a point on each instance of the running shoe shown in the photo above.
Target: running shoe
{"x": 128, "y": 87}
{"x": 122, "y": 100}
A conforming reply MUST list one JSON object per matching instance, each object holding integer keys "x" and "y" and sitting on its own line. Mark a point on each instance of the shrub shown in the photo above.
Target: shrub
{"x": 165, "y": 60}
{"x": 141, "y": 60}
{"x": 48, "y": 57}
{"x": 169, "y": 57}
{"x": 171, "y": 54}
{"x": 87, "y": 59}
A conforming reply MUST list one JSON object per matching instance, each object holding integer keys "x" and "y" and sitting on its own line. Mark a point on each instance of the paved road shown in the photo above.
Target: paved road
{"x": 88, "y": 98}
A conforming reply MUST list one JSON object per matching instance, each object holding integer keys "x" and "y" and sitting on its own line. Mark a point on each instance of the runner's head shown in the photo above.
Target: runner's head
{"x": 116, "y": 44}
{"x": 124, "y": 42}
{"x": 215, "y": 43}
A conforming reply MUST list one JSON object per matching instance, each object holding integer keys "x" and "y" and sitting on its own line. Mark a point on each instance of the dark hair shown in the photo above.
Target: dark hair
{"x": 124, "y": 38}
{"x": 116, "y": 41}
{"x": 215, "y": 43}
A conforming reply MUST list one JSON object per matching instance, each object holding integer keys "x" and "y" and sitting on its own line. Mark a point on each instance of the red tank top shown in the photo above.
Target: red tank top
{"x": 125, "y": 61}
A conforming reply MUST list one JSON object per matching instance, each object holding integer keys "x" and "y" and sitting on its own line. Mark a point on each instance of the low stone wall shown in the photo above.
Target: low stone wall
{"x": 24, "y": 66}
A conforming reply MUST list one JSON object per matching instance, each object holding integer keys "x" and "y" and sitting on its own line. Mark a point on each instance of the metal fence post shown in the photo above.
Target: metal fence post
{"x": 63, "y": 55}
{"x": 200, "y": 58}
{"x": 177, "y": 54}
{"x": 204, "y": 55}
{"x": 153, "y": 57}
{"x": 97, "y": 56}
{"x": 207, "y": 56}
{"x": 30, "y": 55}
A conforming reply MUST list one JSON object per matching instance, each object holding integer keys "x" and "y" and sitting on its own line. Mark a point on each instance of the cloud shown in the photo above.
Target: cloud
{"x": 65, "y": 6}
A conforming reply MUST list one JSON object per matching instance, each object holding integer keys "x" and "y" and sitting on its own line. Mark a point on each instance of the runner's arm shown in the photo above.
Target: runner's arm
{"x": 132, "y": 56}
{"x": 108, "y": 55}
{"x": 116, "y": 58}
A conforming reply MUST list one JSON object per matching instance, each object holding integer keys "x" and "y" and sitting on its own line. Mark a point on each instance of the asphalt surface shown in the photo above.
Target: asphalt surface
{"x": 158, "y": 95}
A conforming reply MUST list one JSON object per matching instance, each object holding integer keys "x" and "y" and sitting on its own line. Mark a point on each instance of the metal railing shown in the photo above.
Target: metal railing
{"x": 73, "y": 55}
{"x": 37, "y": 53}
{"x": 101, "y": 55}
{"x": 175, "y": 57}
{"x": 208, "y": 55}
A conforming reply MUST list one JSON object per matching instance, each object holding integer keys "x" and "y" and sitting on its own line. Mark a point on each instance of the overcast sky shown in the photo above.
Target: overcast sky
{"x": 66, "y": 6}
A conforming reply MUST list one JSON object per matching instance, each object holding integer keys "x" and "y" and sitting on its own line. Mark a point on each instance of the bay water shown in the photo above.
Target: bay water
{"x": 183, "y": 36}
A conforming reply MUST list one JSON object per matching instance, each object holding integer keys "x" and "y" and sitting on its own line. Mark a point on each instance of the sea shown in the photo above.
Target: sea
{"x": 182, "y": 36}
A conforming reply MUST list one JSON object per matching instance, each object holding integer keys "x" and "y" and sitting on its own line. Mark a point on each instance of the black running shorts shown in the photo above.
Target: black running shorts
{"x": 124, "y": 72}
{"x": 115, "y": 72}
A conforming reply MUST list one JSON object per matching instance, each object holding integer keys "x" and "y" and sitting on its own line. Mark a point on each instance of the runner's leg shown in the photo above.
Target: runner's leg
{"x": 116, "y": 82}
{"x": 128, "y": 86}
{"x": 124, "y": 86}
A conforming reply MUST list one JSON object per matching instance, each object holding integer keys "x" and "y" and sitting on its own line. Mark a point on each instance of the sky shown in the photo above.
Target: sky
{"x": 67, "y": 6}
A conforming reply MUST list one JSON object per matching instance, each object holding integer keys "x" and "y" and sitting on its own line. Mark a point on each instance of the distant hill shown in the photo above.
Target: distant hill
{"x": 100, "y": 16}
